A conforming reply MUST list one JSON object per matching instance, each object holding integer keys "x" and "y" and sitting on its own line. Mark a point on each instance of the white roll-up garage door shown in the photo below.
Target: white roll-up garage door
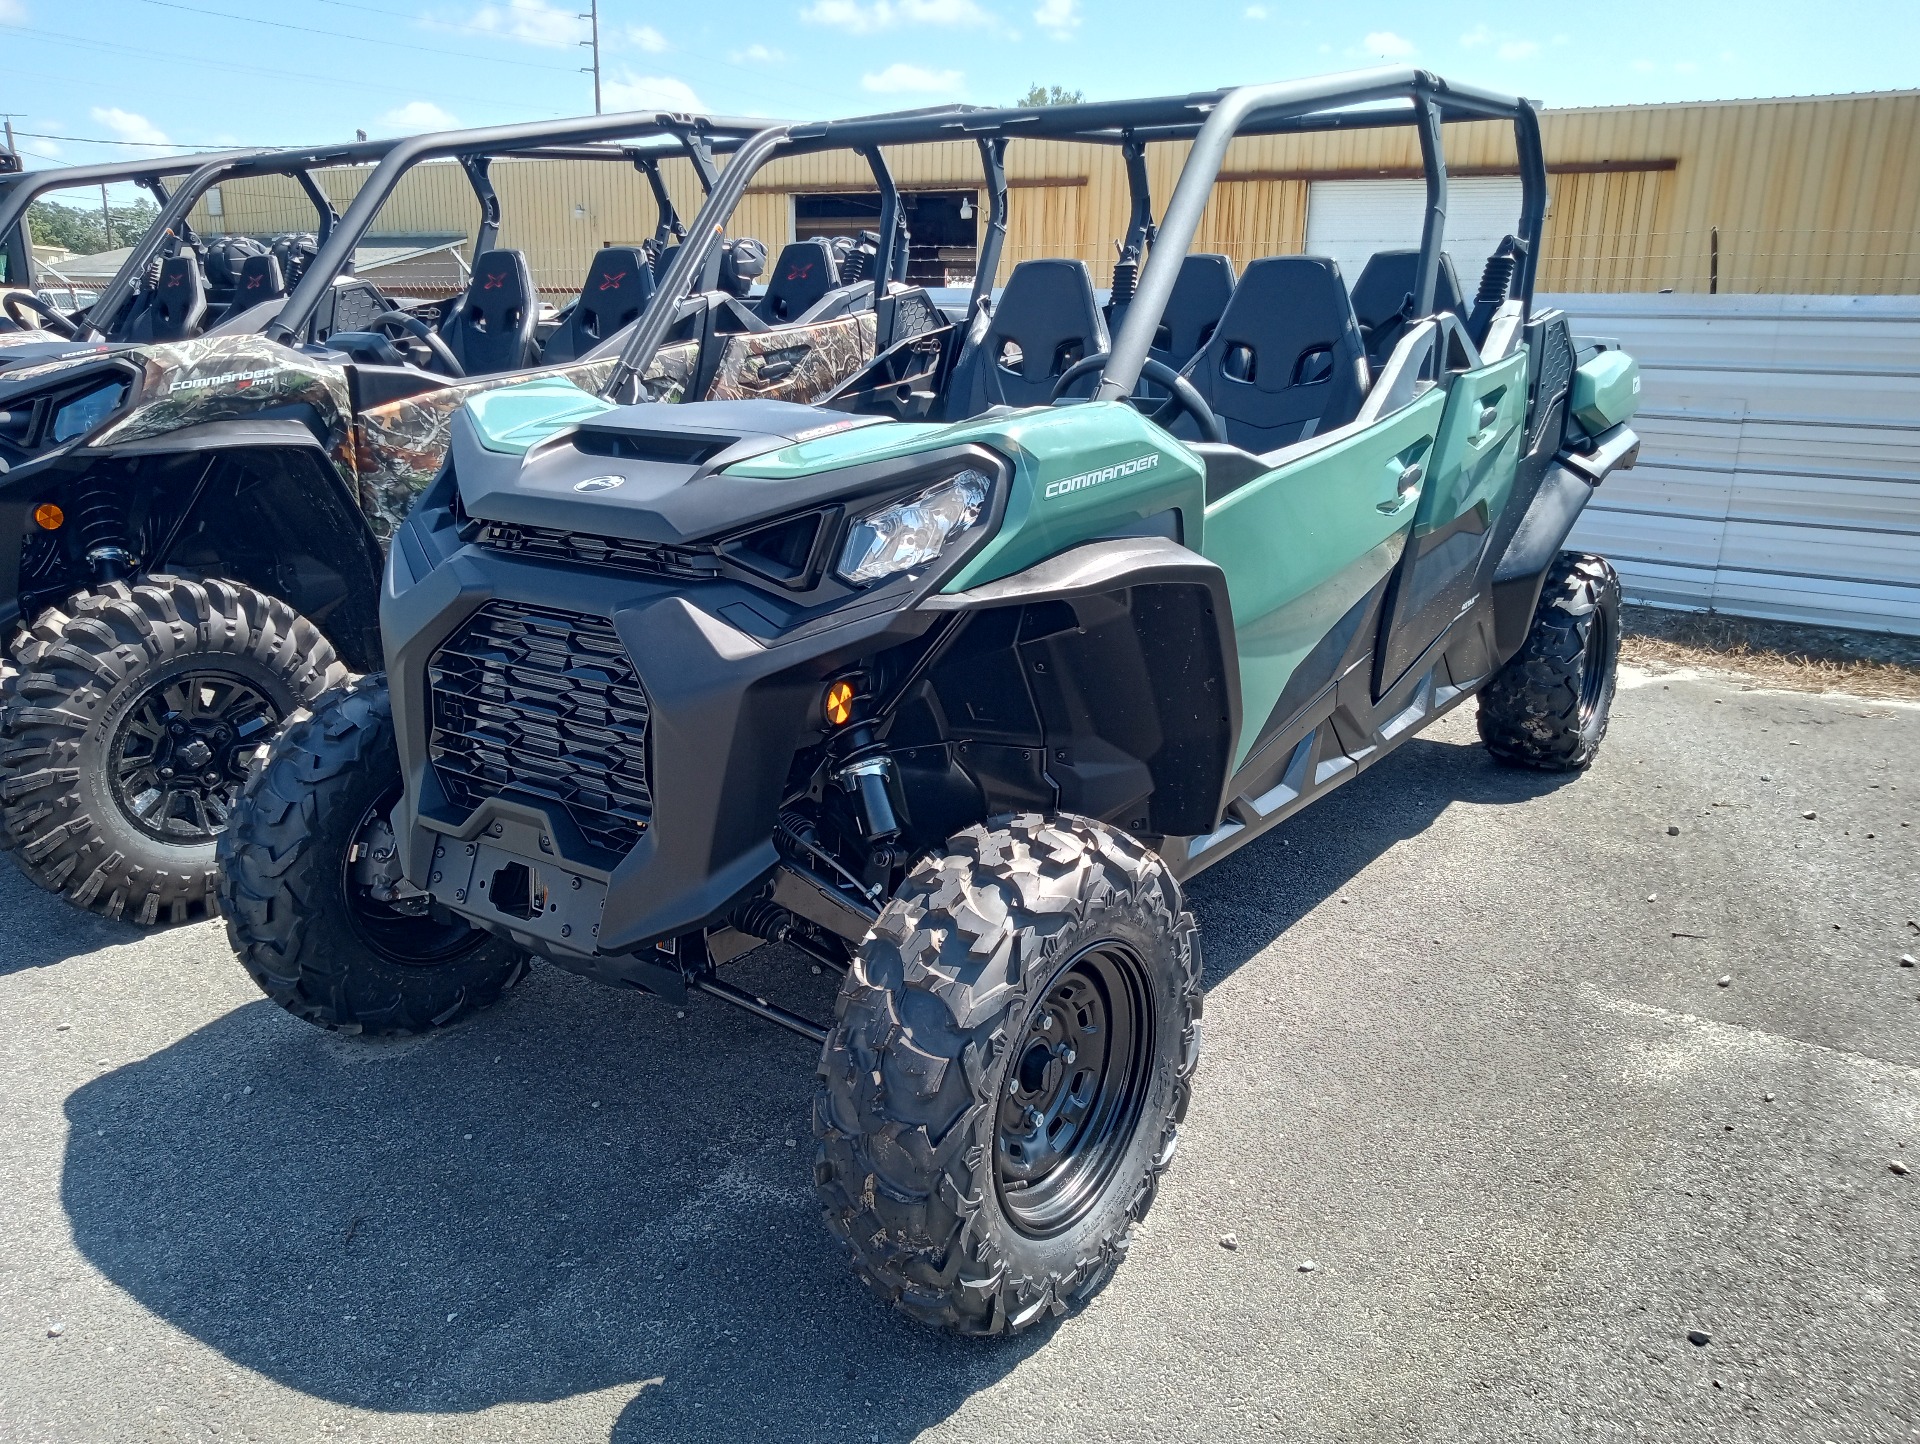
{"x": 1351, "y": 219}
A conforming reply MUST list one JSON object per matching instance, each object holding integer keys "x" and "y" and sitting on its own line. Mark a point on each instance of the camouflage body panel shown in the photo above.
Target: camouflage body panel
{"x": 402, "y": 443}
{"x": 671, "y": 372}
{"x": 797, "y": 363}
{"x": 229, "y": 378}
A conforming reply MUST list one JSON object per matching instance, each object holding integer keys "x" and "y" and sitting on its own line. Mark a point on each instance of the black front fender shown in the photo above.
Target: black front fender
{"x": 1127, "y": 648}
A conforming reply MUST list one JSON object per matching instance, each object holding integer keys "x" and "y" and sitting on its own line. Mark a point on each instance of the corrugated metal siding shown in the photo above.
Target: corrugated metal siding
{"x": 1779, "y": 473}
{"x": 1813, "y": 196}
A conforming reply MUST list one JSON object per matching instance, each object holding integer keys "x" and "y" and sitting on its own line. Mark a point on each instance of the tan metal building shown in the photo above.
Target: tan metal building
{"x": 1818, "y": 195}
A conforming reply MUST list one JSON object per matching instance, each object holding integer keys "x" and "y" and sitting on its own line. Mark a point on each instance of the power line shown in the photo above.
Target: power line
{"x": 146, "y": 144}
{"x": 348, "y": 35}
{"x": 84, "y": 42}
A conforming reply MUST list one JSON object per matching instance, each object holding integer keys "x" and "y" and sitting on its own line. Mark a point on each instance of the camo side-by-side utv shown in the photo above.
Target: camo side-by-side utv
{"x": 955, "y": 706}
{"x": 194, "y": 495}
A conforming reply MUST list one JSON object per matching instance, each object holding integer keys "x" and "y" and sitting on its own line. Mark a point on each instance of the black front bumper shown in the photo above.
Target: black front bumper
{"x": 726, "y": 712}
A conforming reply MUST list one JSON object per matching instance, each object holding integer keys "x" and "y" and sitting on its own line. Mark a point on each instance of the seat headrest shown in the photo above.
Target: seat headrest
{"x": 179, "y": 300}
{"x": 1199, "y": 299}
{"x": 493, "y": 328}
{"x": 804, "y": 273}
{"x": 1387, "y": 281}
{"x": 1048, "y": 311}
{"x": 618, "y": 287}
{"x": 259, "y": 280}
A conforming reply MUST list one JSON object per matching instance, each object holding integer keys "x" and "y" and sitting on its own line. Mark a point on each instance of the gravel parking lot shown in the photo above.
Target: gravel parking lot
{"x": 1537, "y": 1083}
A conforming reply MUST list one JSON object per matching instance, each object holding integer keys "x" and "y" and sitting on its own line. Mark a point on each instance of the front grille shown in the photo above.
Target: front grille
{"x": 549, "y": 544}
{"x": 543, "y": 706}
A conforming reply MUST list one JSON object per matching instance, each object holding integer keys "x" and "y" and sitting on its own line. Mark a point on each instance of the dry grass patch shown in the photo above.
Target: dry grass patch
{"x": 1776, "y": 654}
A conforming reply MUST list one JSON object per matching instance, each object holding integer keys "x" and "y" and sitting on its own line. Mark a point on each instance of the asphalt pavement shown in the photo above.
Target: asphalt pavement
{"x": 1537, "y": 1084}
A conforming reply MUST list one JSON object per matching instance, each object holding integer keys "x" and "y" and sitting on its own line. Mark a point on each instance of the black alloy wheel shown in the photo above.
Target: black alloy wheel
{"x": 180, "y": 753}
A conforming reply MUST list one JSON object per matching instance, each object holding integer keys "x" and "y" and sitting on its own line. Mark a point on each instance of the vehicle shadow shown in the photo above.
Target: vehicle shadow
{"x": 1254, "y": 895}
{"x": 44, "y": 929}
{"x": 582, "y": 1190}
{"x": 576, "y": 1192}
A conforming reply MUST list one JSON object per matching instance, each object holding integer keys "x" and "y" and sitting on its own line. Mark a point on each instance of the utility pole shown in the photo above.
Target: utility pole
{"x": 10, "y": 144}
{"x": 592, "y": 15}
{"x": 106, "y": 219}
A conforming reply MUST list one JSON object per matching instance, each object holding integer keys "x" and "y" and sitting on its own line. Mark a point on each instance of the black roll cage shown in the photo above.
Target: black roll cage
{"x": 1358, "y": 100}
{"x": 22, "y": 189}
{"x": 642, "y": 139}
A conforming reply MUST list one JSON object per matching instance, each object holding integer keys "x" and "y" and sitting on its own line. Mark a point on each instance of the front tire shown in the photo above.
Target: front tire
{"x": 126, "y": 737}
{"x": 1003, "y": 1085}
{"x": 300, "y": 869}
{"x": 1547, "y": 708}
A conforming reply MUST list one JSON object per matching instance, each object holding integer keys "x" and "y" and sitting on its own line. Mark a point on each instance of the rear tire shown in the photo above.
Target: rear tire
{"x": 307, "y": 930}
{"x": 1547, "y": 708}
{"x": 120, "y": 682}
{"x": 1003, "y": 1085}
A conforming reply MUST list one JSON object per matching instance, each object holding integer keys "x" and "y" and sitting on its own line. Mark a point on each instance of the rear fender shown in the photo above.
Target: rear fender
{"x": 1125, "y": 651}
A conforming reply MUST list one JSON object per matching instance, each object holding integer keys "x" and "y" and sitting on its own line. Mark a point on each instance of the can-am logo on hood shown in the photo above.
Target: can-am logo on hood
{"x": 239, "y": 380}
{"x": 599, "y": 483}
{"x": 1104, "y": 474}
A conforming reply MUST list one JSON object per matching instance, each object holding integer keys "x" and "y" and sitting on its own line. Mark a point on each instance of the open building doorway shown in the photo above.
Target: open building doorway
{"x": 943, "y": 228}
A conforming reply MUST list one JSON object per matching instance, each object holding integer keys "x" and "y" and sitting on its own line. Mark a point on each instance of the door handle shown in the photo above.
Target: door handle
{"x": 1488, "y": 416}
{"x": 1411, "y": 477}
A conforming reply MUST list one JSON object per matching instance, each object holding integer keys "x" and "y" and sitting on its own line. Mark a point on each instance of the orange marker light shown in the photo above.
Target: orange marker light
{"x": 49, "y": 516}
{"x": 839, "y": 703}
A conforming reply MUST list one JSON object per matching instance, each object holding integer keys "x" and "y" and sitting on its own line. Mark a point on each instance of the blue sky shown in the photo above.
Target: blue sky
{"x": 146, "y": 73}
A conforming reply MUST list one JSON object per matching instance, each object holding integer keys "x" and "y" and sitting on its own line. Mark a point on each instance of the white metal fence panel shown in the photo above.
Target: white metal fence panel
{"x": 1779, "y": 471}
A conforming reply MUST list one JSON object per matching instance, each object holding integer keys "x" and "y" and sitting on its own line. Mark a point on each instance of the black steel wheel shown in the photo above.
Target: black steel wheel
{"x": 316, "y": 903}
{"x": 1547, "y": 707}
{"x": 1003, "y": 1085}
{"x": 125, "y": 736}
{"x": 1074, "y": 1091}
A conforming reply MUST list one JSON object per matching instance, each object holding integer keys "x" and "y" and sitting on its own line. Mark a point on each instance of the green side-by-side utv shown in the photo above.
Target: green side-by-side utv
{"x": 951, "y": 685}
{"x": 199, "y": 472}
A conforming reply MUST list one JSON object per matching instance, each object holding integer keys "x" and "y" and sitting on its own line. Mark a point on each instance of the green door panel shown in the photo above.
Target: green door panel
{"x": 1469, "y": 481}
{"x": 1478, "y": 450}
{"x": 1303, "y": 544}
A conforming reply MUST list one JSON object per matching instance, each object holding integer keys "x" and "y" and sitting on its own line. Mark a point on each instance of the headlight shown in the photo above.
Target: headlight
{"x": 908, "y": 534}
{"x": 83, "y": 413}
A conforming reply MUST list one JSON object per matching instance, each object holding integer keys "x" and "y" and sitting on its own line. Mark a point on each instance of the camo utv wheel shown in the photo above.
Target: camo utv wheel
{"x": 1003, "y": 1086}
{"x": 1547, "y": 708}
{"x": 311, "y": 886}
{"x": 125, "y": 736}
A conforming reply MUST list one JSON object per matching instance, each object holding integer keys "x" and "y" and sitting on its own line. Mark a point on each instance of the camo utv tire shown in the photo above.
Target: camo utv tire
{"x": 1547, "y": 707}
{"x": 1011, "y": 1058}
{"x": 126, "y": 733}
{"x": 322, "y": 950}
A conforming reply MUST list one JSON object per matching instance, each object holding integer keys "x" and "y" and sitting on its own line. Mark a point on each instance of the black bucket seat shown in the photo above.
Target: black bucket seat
{"x": 1383, "y": 298}
{"x": 618, "y": 286}
{"x": 492, "y": 328}
{"x": 801, "y": 278}
{"x": 1199, "y": 299}
{"x": 1286, "y": 360}
{"x": 178, "y": 304}
{"x": 1047, "y": 318}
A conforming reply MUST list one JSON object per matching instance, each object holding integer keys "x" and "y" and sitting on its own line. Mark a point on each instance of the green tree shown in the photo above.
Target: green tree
{"x": 1050, "y": 95}
{"x": 78, "y": 228}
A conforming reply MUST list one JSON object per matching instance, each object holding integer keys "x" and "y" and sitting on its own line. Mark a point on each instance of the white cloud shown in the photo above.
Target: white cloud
{"x": 417, "y": 117}
{"x": 1256, "y": 12}
{"x": 532, "y": 22}
{"x": 864, "y": 17}
{"x": 758, "y": 54}
{"x": 1059, "y": 18}
{"x": 649, "y": 92}
{"x": 1386, "y": 43}
{"x": 13, "y": 12}
{"x": 1518, "y": 49}
{"x": 645, "y": 37}
{"x": 129, "y": 126}
{"x": 900, "y": 78}
{"x": 1479, "y": 35}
